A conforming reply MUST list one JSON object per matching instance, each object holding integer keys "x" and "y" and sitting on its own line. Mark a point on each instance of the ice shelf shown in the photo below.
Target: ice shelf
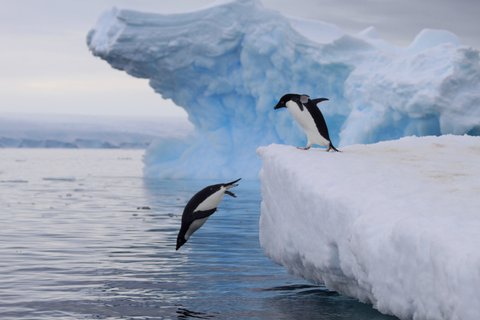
{"x": 395, "y": 224}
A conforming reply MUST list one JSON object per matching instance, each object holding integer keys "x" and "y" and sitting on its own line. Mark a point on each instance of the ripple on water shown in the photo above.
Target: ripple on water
{"x": 76, "y": 246}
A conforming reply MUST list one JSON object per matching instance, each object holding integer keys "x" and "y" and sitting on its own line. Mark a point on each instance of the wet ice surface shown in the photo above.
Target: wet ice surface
{"x": 85, "y": 236}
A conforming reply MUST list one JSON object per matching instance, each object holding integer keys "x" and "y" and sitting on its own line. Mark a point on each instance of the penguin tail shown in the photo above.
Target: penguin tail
{"x": 330, "y": 147}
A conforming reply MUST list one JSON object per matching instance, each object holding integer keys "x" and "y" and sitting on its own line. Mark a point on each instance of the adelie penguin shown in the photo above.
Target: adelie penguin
{"x": 201, "y": 206}
{"x": 305, "y": 111}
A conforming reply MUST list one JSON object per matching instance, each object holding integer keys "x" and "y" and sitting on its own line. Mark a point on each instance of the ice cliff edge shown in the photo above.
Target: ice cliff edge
{"x": 226, "y": 65}
{"x": 394, "y": 224}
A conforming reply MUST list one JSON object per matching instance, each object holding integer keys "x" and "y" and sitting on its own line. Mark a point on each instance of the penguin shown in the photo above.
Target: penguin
{"x": 305, "y": 111}
{"x": 201, "y": 206}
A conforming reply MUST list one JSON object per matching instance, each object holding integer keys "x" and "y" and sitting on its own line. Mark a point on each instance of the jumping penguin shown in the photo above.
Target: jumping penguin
{"x": 305, "y": 111}
{"x": 201, "y": 206}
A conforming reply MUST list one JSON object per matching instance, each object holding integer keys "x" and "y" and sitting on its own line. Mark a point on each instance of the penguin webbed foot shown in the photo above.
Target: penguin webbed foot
{"x": 303, "y": 148}
{"x": 331, "y": 147}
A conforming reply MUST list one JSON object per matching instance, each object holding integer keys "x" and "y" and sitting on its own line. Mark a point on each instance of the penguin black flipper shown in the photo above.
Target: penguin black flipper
{"x": 231, "y": 194}
{"x": 320, "y": 122}
{"x": 204, "y": 214}
{"x": 189, "y": 217}
{"x": 318, "y": 116}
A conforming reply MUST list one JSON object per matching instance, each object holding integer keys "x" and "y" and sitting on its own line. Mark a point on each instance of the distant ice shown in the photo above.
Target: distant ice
{"x": 395, "y": 224}
{"x": 228, "y": 64}
{"x": 63, "y": 179}
{"x": 73, "y": 131}
{"x": 14, "y": 181}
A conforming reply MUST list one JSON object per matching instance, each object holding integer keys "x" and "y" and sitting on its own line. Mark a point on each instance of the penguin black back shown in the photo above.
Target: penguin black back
{"x": 317, "y": 116}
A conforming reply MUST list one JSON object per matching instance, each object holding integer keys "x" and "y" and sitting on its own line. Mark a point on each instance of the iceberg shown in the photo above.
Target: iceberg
{"x": 228, "y": 64}
{"x": 394, "y": 224}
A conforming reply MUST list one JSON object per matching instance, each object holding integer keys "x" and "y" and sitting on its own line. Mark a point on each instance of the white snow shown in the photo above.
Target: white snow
{"x": 395, "y": 223}
{"x": 228, "y": 64}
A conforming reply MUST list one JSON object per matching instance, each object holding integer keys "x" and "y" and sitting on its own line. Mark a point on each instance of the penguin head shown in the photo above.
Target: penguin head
{"x": 223, "y": 187}
{"x": 282, "y": 103}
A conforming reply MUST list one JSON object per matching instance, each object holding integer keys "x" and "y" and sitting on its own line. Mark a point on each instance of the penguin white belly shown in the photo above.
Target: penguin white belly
{"x": 314, "y": 137}
{"x": 194, "y": 227}
{"x": 212, "y": 201}
{"x": 305, "y": 120}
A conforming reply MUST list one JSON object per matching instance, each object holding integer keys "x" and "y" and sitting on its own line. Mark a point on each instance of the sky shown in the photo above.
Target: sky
{"x": 46, "y": 66}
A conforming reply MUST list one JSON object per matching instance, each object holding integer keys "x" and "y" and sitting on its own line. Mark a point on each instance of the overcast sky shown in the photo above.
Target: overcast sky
{"x": 46, "y": 66}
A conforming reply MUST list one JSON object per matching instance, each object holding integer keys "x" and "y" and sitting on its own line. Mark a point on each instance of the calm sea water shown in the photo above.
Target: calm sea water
{"x": 84, "y": 236}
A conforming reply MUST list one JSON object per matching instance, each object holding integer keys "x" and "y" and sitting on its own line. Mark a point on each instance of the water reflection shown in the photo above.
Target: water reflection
{"x": 183, "y": 313}
{"x": 312, "y": 302}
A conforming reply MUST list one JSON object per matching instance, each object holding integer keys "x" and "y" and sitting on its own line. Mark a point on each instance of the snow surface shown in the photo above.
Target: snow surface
{"x": 227, "y": 65}
{"x": 394, "y": 223}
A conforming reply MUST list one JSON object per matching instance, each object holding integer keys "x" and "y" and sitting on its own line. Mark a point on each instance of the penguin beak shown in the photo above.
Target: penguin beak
{"x": 231, "y": 184}
{"x": 279, "y": 105}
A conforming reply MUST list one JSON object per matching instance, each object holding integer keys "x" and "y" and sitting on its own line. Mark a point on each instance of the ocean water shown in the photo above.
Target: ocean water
{"x": 85, "y": 236}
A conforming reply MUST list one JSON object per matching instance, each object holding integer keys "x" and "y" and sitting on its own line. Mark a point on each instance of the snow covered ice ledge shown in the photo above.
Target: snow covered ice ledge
{"x": 395, "y": 224}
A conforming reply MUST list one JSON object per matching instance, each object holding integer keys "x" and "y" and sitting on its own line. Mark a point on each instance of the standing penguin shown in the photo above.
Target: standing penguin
{"x": 305, "y": 111}
{"x": 201, "y": 206}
